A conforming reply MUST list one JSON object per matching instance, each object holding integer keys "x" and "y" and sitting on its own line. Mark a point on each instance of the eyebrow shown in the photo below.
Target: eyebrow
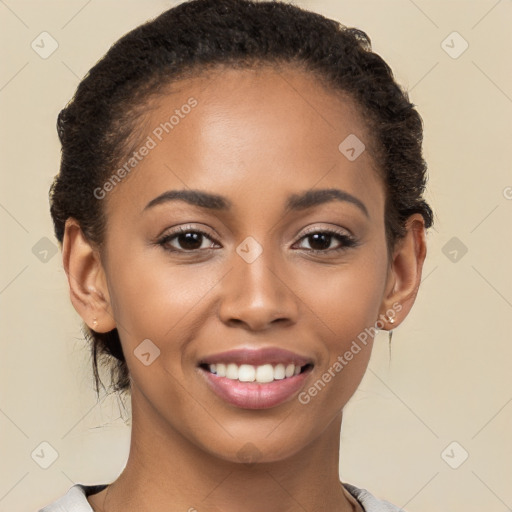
{"x": 295, "y": 202}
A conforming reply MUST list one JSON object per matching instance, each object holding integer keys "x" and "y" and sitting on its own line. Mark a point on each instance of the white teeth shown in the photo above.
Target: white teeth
{"x": 249, "y": 373}
{"x": 246, "y": 373}
{"x": 279, "y": 372}
{"x": 232, "y": 371}
{"x": 265, "y": 373}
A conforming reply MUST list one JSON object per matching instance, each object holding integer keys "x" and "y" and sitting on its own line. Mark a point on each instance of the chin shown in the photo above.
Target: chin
{"x": 257, "y": 450}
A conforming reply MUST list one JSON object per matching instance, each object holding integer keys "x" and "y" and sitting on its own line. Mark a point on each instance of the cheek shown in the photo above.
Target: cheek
{"x": 346, "y": 309}
{"x": 345, "y": 299}
{"x": 154, "y": 300}
{"x": 166, "y": 305}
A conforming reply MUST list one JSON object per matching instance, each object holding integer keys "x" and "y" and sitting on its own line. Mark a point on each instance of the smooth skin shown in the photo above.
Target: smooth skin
{"x": 255, "y": 137}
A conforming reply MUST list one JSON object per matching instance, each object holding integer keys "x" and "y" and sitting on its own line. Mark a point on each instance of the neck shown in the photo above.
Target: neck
{"x": 166, "y": 472}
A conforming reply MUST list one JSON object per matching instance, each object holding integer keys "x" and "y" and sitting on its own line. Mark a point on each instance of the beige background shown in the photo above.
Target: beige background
{"x": 449, "y": 375}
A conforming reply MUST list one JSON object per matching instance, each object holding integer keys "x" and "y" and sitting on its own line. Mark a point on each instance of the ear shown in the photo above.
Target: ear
{"x": 86, "y": 277}
{"x": 404, "y": 274}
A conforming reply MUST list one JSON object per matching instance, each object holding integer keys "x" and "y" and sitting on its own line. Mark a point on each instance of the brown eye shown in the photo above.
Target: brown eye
{"x": 320, "y": 241}
{"x": 185, "y": 240}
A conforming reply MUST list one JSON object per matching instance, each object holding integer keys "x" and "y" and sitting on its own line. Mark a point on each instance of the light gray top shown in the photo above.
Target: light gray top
{"x": 75, "y": 500}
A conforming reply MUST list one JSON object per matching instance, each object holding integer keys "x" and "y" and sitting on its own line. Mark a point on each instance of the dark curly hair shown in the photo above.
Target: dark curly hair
{"x": 98, "y": 127}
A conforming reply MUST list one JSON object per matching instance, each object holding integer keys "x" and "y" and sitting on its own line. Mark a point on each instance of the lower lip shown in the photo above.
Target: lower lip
{"x": 253, "y": 395}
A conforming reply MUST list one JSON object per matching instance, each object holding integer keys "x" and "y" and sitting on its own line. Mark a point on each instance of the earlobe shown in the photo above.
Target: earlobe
{"x": 405, "y": 272}
{"x": 86, "y": 277}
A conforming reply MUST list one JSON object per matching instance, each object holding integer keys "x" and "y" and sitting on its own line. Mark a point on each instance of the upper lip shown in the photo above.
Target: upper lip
{"x": 260, "y": 356}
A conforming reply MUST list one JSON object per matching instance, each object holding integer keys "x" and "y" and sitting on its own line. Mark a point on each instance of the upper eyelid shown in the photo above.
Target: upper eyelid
{"x": 185, "y": 229}
{"x": 332, "y": 229}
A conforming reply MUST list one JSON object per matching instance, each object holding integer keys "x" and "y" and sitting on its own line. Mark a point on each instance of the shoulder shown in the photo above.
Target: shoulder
{"x": 369, "y": 502}
{"x": 75, "y": 499}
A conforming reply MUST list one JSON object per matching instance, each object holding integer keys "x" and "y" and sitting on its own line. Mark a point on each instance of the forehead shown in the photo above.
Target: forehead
{"x": 262, "y": 133}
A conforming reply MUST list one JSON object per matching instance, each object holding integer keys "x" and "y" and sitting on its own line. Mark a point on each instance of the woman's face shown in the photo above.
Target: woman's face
{"x": 267, "y": 269}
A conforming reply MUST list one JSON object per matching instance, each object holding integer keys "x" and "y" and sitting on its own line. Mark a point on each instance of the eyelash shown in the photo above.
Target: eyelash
{"x": 347, "y": 241}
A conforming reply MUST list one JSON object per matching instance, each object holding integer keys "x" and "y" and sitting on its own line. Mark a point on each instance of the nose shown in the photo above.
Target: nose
{"x": 258, "y": 295}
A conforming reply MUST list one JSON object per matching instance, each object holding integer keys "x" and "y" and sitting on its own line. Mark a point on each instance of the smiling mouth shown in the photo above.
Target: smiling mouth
{"x": 260, "y": 374}
{"x": 256, "y": 378}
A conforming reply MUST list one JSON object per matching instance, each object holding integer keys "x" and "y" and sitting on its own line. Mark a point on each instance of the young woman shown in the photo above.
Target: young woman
{"x": 240, "y": 210}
